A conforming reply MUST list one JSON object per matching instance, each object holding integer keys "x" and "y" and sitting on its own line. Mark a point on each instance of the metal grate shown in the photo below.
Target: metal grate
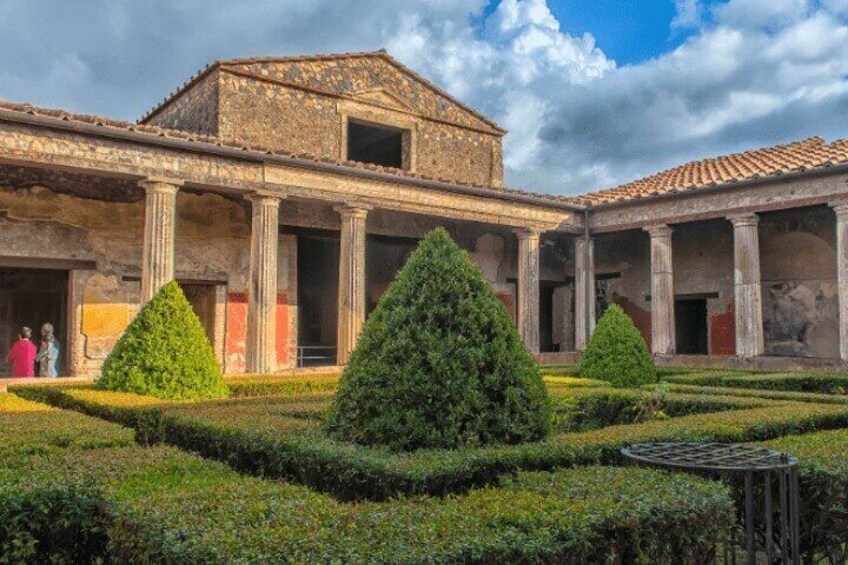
{"x": 709, "y": 456}
{"x": 767, "y": 482}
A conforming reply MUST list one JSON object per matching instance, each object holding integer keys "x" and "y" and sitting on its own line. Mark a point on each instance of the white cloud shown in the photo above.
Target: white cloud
{"x": 750, "y": 73}
{"x": 761, "y": 13}
{"x": 688, "y": 13}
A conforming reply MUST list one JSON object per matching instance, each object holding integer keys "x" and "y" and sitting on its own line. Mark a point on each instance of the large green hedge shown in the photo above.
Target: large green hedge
{"x": 617, "y": 353}
{"x": 164, "y": 352}
{"x": 821, "y": 383}
{"x": 278, "y": 437}
{"x": 159, "y": 505}
{"x": 823, "y": 487}
{"x": 439, "y": 363}
{"x": 40, "y": 522}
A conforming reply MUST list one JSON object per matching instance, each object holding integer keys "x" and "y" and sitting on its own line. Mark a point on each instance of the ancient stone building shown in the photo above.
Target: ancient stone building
{"x": 283, "y": 194}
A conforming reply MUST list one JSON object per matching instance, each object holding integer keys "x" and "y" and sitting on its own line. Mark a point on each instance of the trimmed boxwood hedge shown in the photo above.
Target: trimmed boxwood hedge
{"x": 30, "y": 427}
{"x": 39, "y": 521}
{"x": 249, "y": 386}
{"x": 823, "y": 486}
{"x": 617, "y": 352}
{"x": 439, "y": 363}
{"x": 572, "y": 381}
{"x": 158, "y": 505}
{"x": 164, "y": 352}
{"x": 592, "y": 408}
{"x": 822, "y": 383}
{"x": 256, "y": 436}
{"x": 760, "y": 393}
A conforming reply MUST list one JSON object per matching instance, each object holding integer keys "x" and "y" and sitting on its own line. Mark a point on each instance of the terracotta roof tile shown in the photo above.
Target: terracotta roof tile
{"x": 812, "y": 153}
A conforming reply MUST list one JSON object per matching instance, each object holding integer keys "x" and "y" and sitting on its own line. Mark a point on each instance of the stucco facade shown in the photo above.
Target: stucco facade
{"x": 241, "y": 187}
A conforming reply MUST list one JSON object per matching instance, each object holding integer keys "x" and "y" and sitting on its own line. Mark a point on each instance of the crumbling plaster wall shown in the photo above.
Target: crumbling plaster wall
{"x": 212, "y": 244}
{"x": 798, "y": 263}
{"x": 703, "y": 265}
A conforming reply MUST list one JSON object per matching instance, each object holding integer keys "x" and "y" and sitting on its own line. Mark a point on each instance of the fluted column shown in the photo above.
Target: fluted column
{"x": 351, "y": 278}
{"x": 747, "y": 285}
{"x": 663, "y": 340}
{"x": 160, "y": 215}
{"x": 528, "y": 287}
{"x": 584, "y": 291}
{"x": 841, "y": 209}
{"x": 261, "y": 347}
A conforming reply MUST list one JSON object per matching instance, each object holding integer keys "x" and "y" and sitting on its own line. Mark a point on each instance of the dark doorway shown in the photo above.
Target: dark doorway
{"x": 317, "y": 299}
{"x": 385, "y": 256}
{"x": 201, "y": 296}
{"x": 547, "y": 317}
{"x": 373, "y": 144}
{"x": 32, "y": 297}
{"x": 690, "y": 317}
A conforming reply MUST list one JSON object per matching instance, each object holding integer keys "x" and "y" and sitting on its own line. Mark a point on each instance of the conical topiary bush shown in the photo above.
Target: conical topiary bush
{"x": 439, "y": 363}
{"x": 617, "y": 353}
{"x": 164, "y": 352}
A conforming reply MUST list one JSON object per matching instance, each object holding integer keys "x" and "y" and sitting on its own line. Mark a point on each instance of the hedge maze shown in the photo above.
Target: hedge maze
{"x": 89, "y": 475}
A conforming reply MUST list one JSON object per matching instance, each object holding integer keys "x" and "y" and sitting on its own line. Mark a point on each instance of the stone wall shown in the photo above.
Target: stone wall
{"x": 278, "y": 118}
{"x": 302, "y": 107}
{"x": 293, "y": 120}
{"x": 365, "y": 75}
{"x": 195, "y": 110}
{"x": 212, "y": 248}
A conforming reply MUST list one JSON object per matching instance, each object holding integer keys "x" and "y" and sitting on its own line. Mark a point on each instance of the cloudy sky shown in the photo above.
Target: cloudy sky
{"x": 593, "y": 92}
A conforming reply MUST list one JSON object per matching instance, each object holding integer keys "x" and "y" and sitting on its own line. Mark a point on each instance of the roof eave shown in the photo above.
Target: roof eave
{"x": 814, "y": 171}
{"x": 252, "y": 155}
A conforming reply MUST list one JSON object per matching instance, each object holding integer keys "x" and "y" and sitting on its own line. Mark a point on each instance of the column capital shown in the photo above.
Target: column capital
{"x": 659, "y": 230}
{"x": 840, "y": 207}
{"x": 160, "y": 185}
{"x": 263, "y": 198}
{"x": 353, "y": 209}
{"x": 528, "y": 233}
{"x": 742, "y": 220}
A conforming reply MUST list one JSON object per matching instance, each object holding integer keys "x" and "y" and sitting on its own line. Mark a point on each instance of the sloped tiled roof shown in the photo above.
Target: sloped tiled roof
{"x": 812, "y": 153}
{"x": 382, "y": 54}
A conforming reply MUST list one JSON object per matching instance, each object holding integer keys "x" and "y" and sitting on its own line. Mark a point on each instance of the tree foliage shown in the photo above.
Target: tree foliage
{"x": 440, "y": 363}
{"x": 617, "y": 353}
{"x": 164, "y": 353}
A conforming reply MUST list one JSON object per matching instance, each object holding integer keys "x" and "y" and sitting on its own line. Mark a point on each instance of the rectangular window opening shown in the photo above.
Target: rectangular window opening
{"x": 367, "y": 143}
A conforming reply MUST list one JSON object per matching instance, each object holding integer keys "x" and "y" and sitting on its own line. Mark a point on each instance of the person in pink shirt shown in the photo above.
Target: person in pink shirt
{"x": 22, "y": 355}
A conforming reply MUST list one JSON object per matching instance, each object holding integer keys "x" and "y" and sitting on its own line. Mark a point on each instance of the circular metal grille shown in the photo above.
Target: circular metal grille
{"x": 709, "y": 456}
{"x": 765, "y": 483}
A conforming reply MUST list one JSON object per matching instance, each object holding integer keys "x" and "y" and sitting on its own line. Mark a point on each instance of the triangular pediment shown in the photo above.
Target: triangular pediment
{"x": 370, "y": 78}
{"x": 381, "y": 97}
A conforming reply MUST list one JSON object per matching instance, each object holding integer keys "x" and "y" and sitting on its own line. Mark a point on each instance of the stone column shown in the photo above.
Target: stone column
{"x": 528, "y": 287}
{"x": 351, "y": 278}
{"x": 261, "y": 347}
{"x": 584, "y": 291}
{"x": 748, "y": 292}
{"x": 841, "y": 209}
{"x": 160, "y": 215}
{"x": 662, "y": 291}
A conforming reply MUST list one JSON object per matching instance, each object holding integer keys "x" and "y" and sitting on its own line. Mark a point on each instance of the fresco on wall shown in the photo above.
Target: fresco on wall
{"x": 798, "y": 256}
{"x": 800, "y": 318}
